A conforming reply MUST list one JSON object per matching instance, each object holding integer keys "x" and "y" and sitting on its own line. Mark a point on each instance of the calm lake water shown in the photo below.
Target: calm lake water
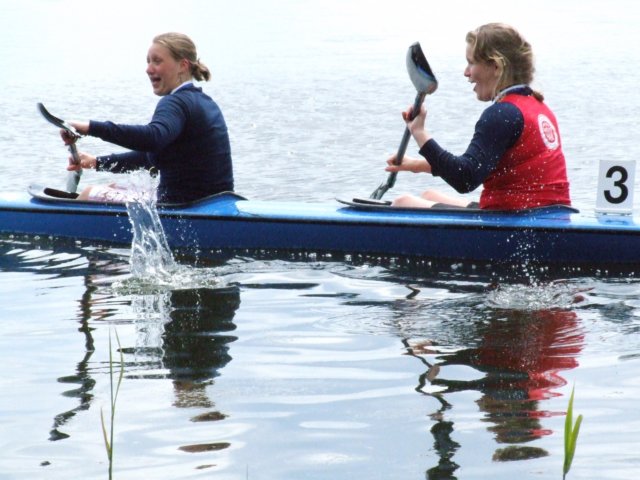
{"x": 273, "y": 367}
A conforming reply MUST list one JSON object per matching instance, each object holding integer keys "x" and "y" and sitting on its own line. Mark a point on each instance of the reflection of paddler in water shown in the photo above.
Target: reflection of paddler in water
{"x": 196, "y": 348}
{"x": 194, "y": 342}
{"x": 521, "y": 354}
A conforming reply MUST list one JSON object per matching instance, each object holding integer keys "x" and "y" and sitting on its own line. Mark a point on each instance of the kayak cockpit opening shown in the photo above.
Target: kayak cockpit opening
{"x": 55, "y": 195}
{"x": 385, "y": 205}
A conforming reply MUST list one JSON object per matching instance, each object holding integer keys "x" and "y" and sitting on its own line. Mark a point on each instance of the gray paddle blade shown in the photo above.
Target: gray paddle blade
{"x": 425, "y": 83}
{"x": 419, "y": 70}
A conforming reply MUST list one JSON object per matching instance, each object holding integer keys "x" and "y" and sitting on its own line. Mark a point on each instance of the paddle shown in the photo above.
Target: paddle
{"x": 73, "y": 177}
{"x": 425, "y": 82}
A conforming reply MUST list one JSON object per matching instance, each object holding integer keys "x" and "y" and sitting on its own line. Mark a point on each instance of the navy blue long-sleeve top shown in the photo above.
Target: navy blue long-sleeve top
{"x": 497, "y": 130}
{"x": 186, "y": 141}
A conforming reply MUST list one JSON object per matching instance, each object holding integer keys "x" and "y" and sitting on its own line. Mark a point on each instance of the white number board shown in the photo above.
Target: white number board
{"x": 615, "y": 186}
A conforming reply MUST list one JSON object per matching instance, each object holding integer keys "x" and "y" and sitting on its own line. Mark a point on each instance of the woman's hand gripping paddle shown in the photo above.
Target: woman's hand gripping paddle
{"x": 73, "y": 177}
{"x": 425, "y": 82}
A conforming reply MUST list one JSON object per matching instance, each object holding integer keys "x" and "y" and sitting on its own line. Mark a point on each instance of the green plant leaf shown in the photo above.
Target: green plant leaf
{"x": 573, "y": 441}
{"x": 104, "y": 434}
{"x": 571, "y": 433}
{"x": 108, "y": 435}
{"x": 568, "y": 426}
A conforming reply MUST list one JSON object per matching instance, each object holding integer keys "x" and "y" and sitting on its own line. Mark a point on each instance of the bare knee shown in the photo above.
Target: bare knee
{"x": 435, "y": 196}
{"x": 431, "y": 195}
{"x": 401, "y": 201}
{"x": 411, "y": 201}
{"x": 84, "y": 195}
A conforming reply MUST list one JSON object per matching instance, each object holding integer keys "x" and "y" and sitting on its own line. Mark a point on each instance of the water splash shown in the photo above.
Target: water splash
{"x": 538, "y": 296}
{"x": 153, "y": 267}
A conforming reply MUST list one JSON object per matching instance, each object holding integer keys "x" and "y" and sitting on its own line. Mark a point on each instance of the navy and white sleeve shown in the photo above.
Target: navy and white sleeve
{"x": 497, "y": 130}
{"x": 166, "y": 125}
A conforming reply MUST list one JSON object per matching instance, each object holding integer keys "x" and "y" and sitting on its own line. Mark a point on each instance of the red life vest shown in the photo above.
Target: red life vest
{"x": 533, "y": 172}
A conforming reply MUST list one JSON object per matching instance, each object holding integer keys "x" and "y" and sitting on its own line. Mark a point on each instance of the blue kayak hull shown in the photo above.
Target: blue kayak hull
{"x": 552, "y": 235}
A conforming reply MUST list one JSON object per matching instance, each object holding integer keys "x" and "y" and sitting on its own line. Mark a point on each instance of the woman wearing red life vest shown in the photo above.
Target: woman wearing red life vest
{"x": 516, "y": 150}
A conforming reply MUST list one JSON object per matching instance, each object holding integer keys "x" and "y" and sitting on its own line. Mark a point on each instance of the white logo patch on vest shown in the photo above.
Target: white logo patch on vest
{"x": 548, "y": 132}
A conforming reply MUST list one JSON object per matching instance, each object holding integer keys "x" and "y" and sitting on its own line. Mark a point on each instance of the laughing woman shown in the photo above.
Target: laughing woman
{"x": 515, "y": 152}
{"x": 186, "y": 141}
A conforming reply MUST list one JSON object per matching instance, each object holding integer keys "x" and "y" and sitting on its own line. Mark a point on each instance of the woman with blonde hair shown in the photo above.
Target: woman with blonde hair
{"x": 515, "y": 152}
{"x": 186, "y": 140}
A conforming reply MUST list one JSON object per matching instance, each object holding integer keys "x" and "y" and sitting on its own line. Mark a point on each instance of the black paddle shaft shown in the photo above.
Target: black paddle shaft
{"x": 391, "y": 179}
{"x": 73, "y": 177}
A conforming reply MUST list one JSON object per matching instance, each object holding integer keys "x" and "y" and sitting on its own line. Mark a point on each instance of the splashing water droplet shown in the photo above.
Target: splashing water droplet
{"x": 542, "y": 296}
{"x": 152, "y": 264}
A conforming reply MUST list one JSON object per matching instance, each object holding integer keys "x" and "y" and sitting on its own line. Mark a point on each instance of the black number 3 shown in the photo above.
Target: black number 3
{"x": 624, "y": 191}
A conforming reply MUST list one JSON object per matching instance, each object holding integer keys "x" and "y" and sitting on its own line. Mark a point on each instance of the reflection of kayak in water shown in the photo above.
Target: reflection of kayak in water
{"x": 551, "y": 235}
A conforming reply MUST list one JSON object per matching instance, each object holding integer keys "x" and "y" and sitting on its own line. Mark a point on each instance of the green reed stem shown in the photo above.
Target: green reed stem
{"x": 571, "y": 432}
{"x": 108, "y": 439}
